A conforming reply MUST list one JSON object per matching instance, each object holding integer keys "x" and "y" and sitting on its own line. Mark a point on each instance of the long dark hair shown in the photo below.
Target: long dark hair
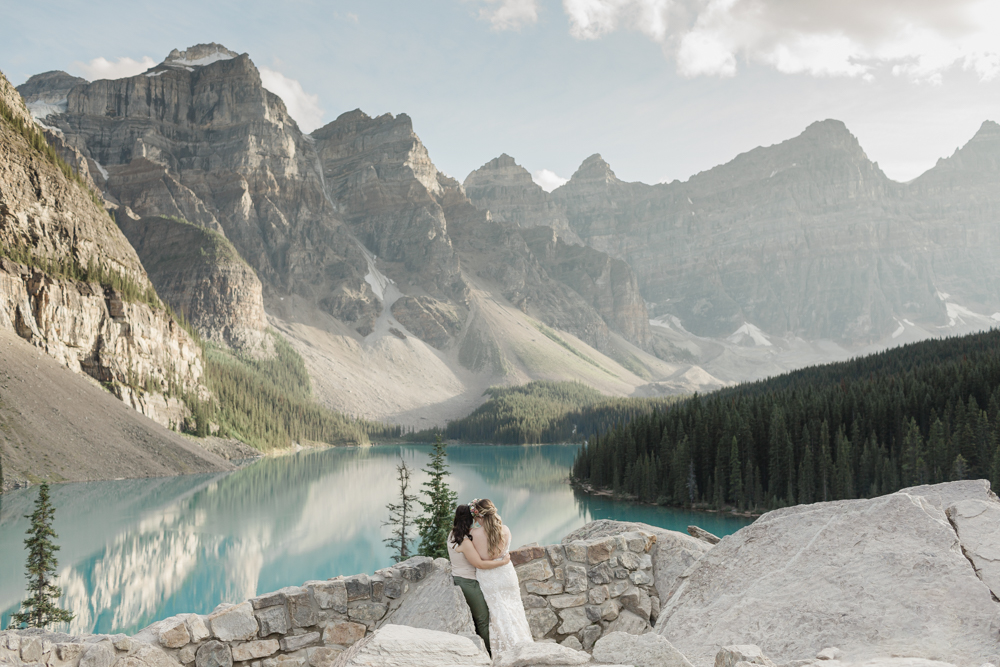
{"x": 462, "y": 525}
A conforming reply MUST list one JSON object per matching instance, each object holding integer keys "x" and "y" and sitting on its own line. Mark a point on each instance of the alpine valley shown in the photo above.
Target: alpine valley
{"x": 407, "y": 293}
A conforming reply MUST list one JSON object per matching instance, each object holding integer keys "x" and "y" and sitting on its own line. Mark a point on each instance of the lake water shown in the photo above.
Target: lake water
{"x": 135, "y": 551}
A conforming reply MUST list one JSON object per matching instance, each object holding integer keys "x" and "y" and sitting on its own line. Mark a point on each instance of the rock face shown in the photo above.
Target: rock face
{"x": 807, "y": 237}
{"x": 609, "y": 285}
{"x": 199, "y": 273}
{"x": 86, "y": 326}
{"x": 199, "y": 138}
{"x": 506, "y": 190}
{"x": 402, "y": 646}
{"x": 887, "y": 576}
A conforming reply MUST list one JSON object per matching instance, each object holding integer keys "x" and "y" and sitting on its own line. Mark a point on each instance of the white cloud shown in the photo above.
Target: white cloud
{"x": 102, "y": 68}
{"x": 916, "y": 39}
{"x": 302, "y": 106}
{"x": 590, "y": 19}
{"x": 548, "y": 180}
{"x": 509, "y": 14}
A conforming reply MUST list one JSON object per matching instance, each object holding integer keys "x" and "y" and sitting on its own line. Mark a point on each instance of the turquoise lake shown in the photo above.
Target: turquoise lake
{"x": 135, "y": 551}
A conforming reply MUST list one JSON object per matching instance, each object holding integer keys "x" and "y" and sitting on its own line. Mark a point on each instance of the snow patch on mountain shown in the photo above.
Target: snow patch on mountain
{"x": 749, "y": 335}
{"x": 41, "y": 110}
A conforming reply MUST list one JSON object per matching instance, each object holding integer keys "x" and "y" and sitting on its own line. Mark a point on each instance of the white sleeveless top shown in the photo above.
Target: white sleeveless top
{"x": 460, "y": 565}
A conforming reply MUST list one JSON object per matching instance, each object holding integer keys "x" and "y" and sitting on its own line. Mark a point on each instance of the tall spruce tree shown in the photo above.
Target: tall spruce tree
{"x": 439, "y": 508}
{"x": 39, "y": 609}
{"x": 401, "y": 517}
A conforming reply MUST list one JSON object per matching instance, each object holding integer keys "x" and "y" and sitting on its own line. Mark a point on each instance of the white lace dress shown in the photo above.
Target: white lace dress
{"x": 508, "y": 624}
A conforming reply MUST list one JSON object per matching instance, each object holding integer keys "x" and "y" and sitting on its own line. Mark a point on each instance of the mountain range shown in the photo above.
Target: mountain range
{"x": 408, "y": 293}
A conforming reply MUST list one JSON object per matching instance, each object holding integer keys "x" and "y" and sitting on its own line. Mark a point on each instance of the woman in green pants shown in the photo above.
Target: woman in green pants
{"x": 464, "y": 562}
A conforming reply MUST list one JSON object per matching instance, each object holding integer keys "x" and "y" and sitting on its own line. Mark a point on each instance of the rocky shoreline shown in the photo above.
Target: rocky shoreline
{"x": 904, "y": 580}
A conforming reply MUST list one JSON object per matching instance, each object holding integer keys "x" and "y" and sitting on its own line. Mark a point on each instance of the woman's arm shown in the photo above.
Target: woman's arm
{"x": 469, "y": 549}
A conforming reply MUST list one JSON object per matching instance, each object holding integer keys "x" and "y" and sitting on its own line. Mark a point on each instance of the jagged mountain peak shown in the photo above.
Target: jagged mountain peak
{"x": 979, "y": 158}
{"x": 199, "y": 55}
{"x": 505, "y": 166}
{"x": 594, "y": 168}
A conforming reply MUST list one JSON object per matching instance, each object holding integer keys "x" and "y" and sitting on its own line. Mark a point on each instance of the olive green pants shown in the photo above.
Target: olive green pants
{"x": 477, "y": 604}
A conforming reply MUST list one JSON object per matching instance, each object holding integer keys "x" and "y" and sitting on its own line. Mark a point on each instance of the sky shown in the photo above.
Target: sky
{"x": 662, "y": 89}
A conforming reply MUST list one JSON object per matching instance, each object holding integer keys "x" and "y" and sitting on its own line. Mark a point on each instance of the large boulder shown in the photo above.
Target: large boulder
{"x": 435, "y": 603}
{"x": 673, "y": 553}
{"x": 878, "y": 577}
{"x": 403, "y": 646}
{"x": 647, "y": 650}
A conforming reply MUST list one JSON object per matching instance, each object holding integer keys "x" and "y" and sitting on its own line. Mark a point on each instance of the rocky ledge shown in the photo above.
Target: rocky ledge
{"x": 905, "y": 580}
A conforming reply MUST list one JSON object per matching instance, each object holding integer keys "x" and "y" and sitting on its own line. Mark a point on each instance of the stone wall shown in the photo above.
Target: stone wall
{"x": 574, "y": 593}
{"x": 578, "y": 592}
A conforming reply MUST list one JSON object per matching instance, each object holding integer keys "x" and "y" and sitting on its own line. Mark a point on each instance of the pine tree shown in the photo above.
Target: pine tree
{"x": 401, "y": 517}
{"x": 439, "y": 509}
{"x": 959, "y": 469}
{"x": 39, "y": 610}
{"x": 736, "y": 475}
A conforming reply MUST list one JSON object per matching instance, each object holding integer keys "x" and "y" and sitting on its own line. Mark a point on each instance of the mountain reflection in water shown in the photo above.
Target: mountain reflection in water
{"x": 135, "y": 551}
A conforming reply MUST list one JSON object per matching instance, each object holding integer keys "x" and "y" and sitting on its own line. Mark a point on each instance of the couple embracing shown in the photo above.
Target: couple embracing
{"x": 479, "y": 547}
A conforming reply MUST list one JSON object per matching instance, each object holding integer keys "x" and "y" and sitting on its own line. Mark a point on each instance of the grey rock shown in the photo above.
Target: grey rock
{"x": 730, "y": 656}
{"x": 576, "y": 579}
{"x": 565, "y": 601}
{"x": 977, "y": 523}
{"x": 541, "y": 621}
{"x": 101, "y": 654}
{"x": 254, "y": 650}
{"x": 295, "y": 642}
{"x": 641, "y": 578}
{"x": 403, "y": 646}
{"x": 232, "y": 623}
{"x": 536, "y": 570}
{"x": 637, "y": 602}
{"x": 619, "y": 586}
{"x": 796, "y": 589}
{"x": 197, "y": 628}
{"x": 573, "y": 619}
{"x": 31, "y": 649}
{"x": 435, "y": 603}
{"x": 534, "y": 602}
{"x": 572, "y": 642}
{"x": 575, "y": 551}
{"x": 330, "y": 594}
{"x": 648, "y": 650}
{"x": 599, "y": 551}
{"x": 556, "y": 554}
{"x": 601, "y": 574}
{"x": 274, "y": 620}
{"x": 378, "y": 587}
{"x": 629, "y": 623}
{"x": 590, "y": 635}
{"x": 359, "y": 587}
{"x": 630, "y": 560}
{"x": 323, "y": 656}
{"x": 539, "y": 654}
{"x": 68, "y": 652}
{"x": 620, "y": 573}
{"x": 547, "y": 587}
{"x": 214, "y": 654}
{"x": 702, "y": 534}
{"x": 395, "y": 588}
{"x": 187, "y": 654}
{"x": 368, "y": 612}
{"x": 302, "y": 609}
{"x": 829, "y": 653}
{"x": 268, "y": 600}
{"x": 598, "y": 594}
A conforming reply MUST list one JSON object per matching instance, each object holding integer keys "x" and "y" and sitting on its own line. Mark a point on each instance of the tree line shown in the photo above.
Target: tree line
{"x": 924, "y": 413}
{"x": 543, "y": 412}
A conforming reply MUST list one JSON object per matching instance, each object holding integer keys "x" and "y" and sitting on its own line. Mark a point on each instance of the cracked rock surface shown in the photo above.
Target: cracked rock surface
{"x": 878, "y": 577}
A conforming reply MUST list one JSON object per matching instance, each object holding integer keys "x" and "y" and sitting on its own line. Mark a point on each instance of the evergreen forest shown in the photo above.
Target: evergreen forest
{"x": 268, "y": 403}
{"x": 544, "y": 412}
{"x": 924, "y": 413}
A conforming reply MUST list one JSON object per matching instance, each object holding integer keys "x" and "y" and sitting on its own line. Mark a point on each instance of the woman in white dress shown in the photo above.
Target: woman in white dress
{"x": 508, "y": 624}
